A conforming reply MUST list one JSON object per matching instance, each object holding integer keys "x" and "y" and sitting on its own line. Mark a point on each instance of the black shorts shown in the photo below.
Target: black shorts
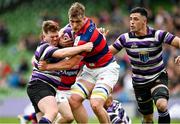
{"x": 38, "y": 90}
{"x": 144, "y": 96}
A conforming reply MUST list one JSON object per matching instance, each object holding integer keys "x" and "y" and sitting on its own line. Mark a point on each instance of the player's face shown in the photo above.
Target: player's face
{"x": 52, "y": 38}
{"x": 76, "y": 23}
{"x": 137, "y": 22}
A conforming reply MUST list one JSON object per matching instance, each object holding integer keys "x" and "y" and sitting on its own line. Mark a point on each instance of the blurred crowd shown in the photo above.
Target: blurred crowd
{"x": 117, "y": 21}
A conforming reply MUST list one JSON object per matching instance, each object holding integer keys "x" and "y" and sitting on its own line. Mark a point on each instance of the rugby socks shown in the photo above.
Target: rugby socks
{"x": 44, "y": 121}
{"x": 30, "y": 117}
{"x": 164, "y": 117}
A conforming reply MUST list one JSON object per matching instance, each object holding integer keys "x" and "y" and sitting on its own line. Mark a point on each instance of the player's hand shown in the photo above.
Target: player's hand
{"x": 177, "y": 60}
{"x": 42, "y": 65}
{"x": 88, "y": 47}
{"x": 103, "y": 31}
{"x": 66, "y": 42}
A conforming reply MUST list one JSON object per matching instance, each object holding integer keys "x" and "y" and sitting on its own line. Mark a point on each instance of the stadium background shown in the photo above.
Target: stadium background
{"x": 20, "y": 25}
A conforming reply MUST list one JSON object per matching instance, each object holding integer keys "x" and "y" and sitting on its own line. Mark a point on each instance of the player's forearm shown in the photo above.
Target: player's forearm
{"x": 65, "y": 64}
{"x": 56, "y": 66}
{"x": 113, "y": 50}
{"x": 66, "y": 52}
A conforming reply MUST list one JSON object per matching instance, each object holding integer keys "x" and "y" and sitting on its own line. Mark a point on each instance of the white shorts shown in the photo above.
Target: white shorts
{"x": 62, "y": 96}
{"x": 105, "y": 75}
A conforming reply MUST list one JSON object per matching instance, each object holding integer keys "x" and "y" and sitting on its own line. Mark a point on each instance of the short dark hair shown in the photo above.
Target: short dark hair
{"x": 50, "y": 26}
{"x": 140, "y": 10}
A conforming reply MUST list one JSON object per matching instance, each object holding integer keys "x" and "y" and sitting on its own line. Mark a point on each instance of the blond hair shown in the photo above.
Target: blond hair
{"x": 49, "y": 26}
{"x": 77, "y": 10}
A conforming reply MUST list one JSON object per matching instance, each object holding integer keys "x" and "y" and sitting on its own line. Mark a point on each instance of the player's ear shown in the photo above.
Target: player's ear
{"x": 84, "y": 18}
{"x": 42, "y": 36}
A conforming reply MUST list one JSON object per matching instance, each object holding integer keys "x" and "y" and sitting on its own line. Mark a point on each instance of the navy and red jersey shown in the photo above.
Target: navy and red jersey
{"x": 100, "y": 56}
{"x": 68, "y": 77}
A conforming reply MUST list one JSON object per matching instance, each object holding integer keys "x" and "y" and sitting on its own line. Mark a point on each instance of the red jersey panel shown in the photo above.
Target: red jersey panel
{"x": 100, "y": 56}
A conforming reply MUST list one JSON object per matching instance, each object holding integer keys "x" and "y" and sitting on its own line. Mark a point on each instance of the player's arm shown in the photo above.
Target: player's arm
{"x": 66, "y": 42}
{"x": 176, "y": 42}
{"x": 70, "y": 51}
{"x": 62, "y": 65}
{"x": 113, "y": 49}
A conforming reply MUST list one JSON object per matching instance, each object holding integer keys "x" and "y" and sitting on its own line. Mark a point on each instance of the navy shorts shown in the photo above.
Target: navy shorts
{"x": 144, "y": 96}
{"x": 37, "y": 90}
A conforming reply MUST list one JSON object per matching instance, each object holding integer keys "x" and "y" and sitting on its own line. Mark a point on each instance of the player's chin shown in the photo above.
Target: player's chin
{"x": 75, "y": 30}
{"x": 55, "y": 44}
{"x": 132, "y": 29}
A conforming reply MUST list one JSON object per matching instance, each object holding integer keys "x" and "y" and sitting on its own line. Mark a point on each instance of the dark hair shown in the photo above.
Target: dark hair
{"x": 140, "y": 10}
{"x": 50, "y": 26}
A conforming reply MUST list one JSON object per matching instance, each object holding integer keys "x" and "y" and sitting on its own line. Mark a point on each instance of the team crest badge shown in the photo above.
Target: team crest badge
{"x": 144, "y": 56}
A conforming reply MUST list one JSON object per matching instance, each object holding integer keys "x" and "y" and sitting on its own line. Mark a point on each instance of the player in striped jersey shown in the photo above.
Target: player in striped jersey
{"x": 100, "y": 72}
{"x": 144, "y": 48}
{"x": 116, "y": 112}
{"x": 41, "y": 88}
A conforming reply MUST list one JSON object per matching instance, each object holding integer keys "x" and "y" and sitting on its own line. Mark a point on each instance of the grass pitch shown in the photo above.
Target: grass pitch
{"x": 13, "y": 120}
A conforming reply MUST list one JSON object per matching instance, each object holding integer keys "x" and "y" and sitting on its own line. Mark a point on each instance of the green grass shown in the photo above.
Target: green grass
{"x": 91, "y": 121}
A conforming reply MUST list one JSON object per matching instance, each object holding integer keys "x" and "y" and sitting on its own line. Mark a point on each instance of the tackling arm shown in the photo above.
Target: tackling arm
{"x": 62, "y": 65}
{"x": 70, "y": 51}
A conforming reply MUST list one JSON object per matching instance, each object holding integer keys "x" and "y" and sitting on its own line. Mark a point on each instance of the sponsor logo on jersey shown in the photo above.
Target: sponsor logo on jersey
{"x": 134, "y": 45}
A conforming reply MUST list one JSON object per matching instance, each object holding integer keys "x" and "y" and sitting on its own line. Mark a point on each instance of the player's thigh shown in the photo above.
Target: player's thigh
{"x": 37, "y": 91}
{"x": 108, "y": 75}
{"x": 64, "y": 109}
{"x": 144, "y": 100}
{"x": 48, "y": 104}
{"x": 160, "y": 89}
{"x": 86, "y": 77}
{"x": 62, "y": 95}
{"x": 63, "y": 103}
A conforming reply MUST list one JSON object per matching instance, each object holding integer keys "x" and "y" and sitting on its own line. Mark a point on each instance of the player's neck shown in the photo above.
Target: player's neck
{"x": 142, "y": 32}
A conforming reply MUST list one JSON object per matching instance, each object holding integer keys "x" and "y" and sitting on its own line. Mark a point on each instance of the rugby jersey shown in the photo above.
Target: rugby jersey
{"x": 68, "y": 77}
{"x": 44, "y": 51}
{"x": 100, "y": 56}
{"x": 145, "y": 53}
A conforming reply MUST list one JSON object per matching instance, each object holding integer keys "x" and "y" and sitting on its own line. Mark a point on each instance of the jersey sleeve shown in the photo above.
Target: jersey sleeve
{"x": 165, "y": 37}
{"x": 48, "y": 52}
{"x": 118, "y": 42}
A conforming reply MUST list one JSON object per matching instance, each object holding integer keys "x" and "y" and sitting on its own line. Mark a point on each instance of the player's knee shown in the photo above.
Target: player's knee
{"x": 69, "y": 118}
{"x": 161, "y": 104}
{"x": 74, "y": 102}
{"x": 96, "y": 105}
